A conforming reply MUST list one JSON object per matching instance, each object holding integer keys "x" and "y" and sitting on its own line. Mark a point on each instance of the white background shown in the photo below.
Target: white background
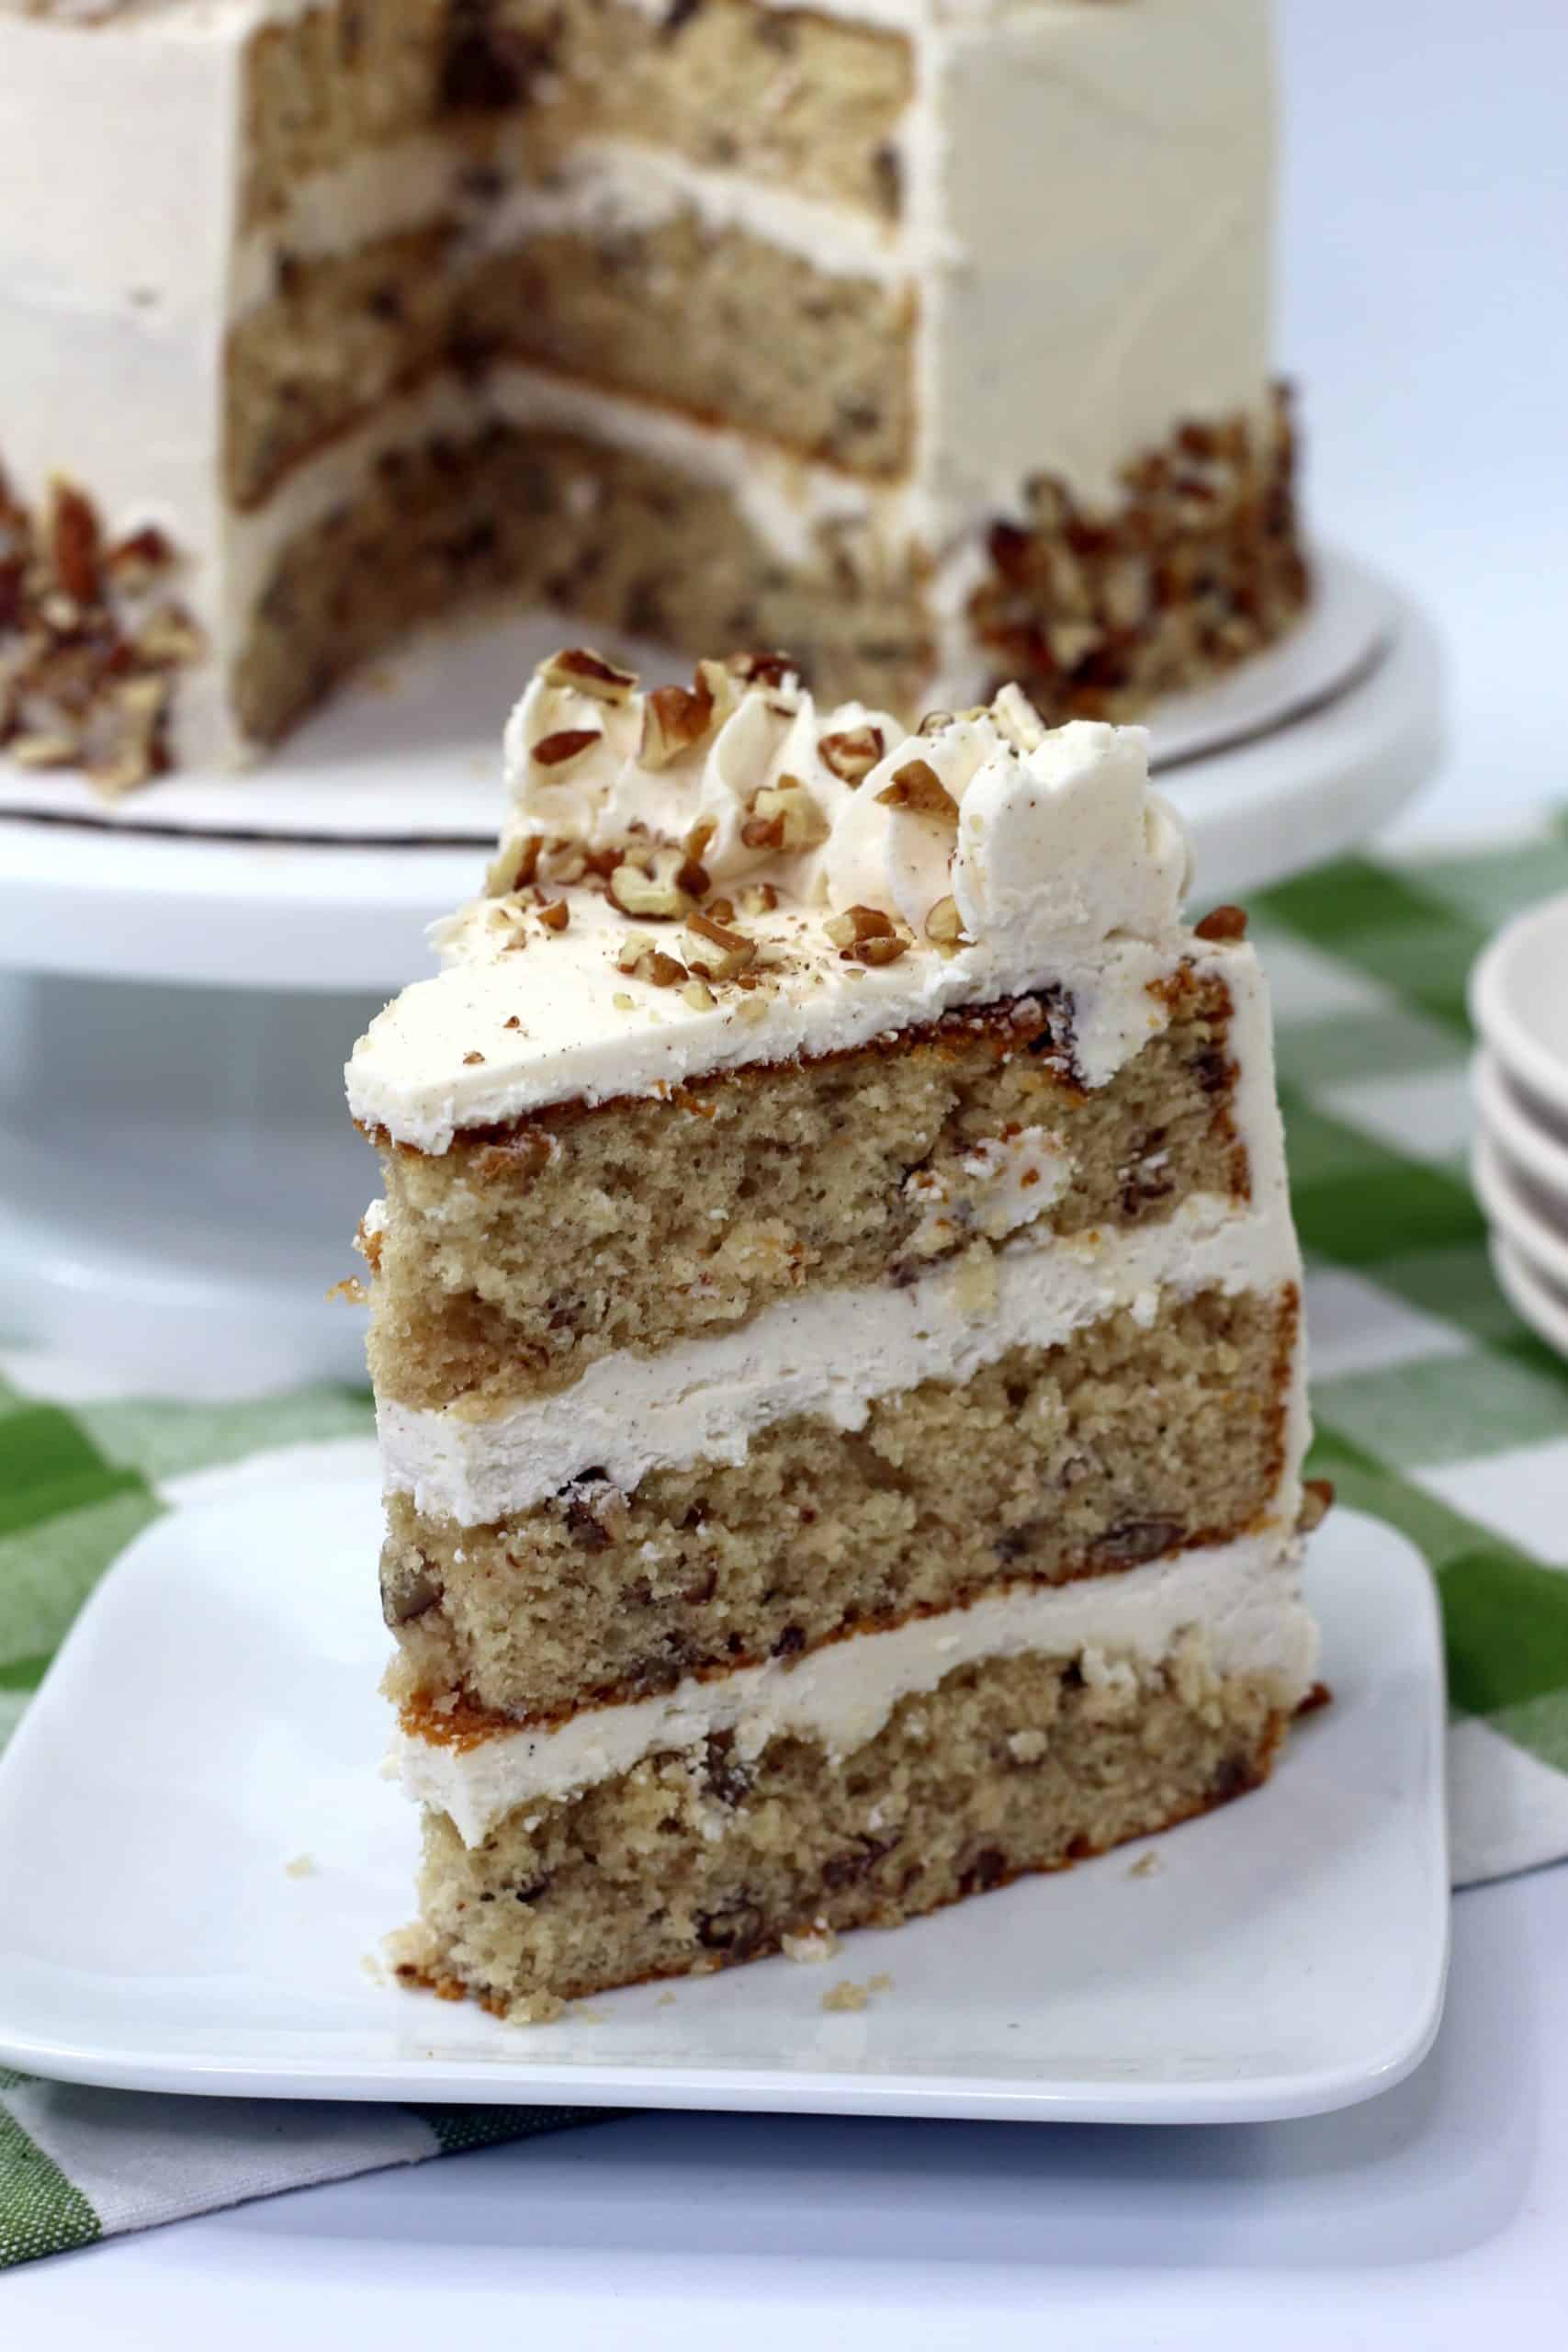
{"x": 1425, "y": 315}
{"x": 1425, "y": 255}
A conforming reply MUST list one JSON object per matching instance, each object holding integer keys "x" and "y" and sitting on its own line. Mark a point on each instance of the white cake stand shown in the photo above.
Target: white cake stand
{"x": 186, "y": 972}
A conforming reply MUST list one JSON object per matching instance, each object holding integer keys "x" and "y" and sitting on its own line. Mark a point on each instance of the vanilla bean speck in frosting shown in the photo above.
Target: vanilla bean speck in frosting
{"x": 693, "y": 879}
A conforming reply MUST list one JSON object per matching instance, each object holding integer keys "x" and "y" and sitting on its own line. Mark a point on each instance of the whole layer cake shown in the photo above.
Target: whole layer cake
{"x": 929, "y": 337}
{"x": 835, "y": 1329}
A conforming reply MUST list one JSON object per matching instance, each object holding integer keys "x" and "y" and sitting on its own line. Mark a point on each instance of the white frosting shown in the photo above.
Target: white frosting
{"x": 1106, "y": 174}
{"x": 1087, "y": 220}
{"x": 117, "y": 164}
{"x": 603, "y": 186}
{"x": 1242, "y": 1594}
{"x": 830, "y": 1353}
{"x": 785, "y": 500}
{"x": 1065, "y": 867}
{"x": 607, "y": 185}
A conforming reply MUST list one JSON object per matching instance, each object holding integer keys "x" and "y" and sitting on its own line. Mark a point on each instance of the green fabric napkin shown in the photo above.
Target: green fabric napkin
{"x": 1435, "y": 1409}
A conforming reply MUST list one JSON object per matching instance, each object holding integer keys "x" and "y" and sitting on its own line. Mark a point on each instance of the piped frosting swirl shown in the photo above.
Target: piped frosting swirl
{"x": 1048, "y": 834}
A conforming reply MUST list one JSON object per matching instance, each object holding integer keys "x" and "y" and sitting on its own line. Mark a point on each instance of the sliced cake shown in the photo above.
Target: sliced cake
{"x": 835, "y": 1329}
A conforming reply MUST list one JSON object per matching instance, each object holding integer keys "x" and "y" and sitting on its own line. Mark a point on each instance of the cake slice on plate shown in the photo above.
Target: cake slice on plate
{"x": 836, "y": 1333}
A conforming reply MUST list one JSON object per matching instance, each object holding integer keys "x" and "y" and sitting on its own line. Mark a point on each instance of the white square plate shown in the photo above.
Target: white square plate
{"x": 214, "y": 1716}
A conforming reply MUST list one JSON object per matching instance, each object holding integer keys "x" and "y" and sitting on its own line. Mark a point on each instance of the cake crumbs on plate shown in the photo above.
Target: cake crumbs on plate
{"x": 300, "y": 1866}
{"x": 847, "y": 1994}
{"x": 815, "y": 1942}
{"x": 1147, "y": 1866}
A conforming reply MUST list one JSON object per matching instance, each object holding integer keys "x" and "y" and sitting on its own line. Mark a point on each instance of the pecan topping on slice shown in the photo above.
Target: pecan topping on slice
{"x": 514, "y": 865}
{"x": 866, "y": 936}
{"x": 672, "y": 889}
{"x": 945, "y": 926}
{"x": 675, "y": 719}
{"x": 582, "y": 671}
{"x": 1222, "y": 924}
{"x": 785, "y": 817}
{"x": 567, "y": 743}
{"x": 916, "y": 785}
{"x": 762, "y": 669}
{"x": 734, "y": 950}
{"x": 852, "y": 753}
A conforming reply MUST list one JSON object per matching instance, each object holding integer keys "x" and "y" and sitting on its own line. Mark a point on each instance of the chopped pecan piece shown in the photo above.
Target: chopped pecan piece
{"x": 866, "y": 936}
{"x": 567, "y": 743}
{"x": 74, "y": 541}
{"x": 916, "y": 785}
{"x": 734, "y": 950}
{"x": 852, "y": 753}
{"x": 514, "y": 865}
{"x": 582, "y": 671}
{"x": 785, "y": 817}
{"x": 141, "y": 557}
{"x": 661, "y": 895}
{"x": 1317, "y": 1501}
{"x": 944, "y": 925}
{"x": 169, "y": 637}
{"x": 762, "y": 669}
{"x": 55, "y": 749}
{"x": 858, "y": 924}
{"x": 674, "y": 720}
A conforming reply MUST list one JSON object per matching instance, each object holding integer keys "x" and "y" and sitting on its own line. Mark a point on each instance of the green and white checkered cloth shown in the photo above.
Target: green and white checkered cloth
{"x": 1435, "y": 1409}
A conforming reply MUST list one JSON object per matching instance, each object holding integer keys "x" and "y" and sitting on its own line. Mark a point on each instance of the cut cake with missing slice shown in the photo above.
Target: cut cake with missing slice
{"x": 835, "y": 1328}
{"x": 932, "y": 338}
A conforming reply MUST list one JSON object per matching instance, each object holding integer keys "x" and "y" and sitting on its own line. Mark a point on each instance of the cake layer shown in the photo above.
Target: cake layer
{"x": 830, "y": 1354}
{"x": 795, "y": 97}
{"x": 535, "y": 515}
{"x": 436, "y": 521}
{"x": 494, "y": 190}
{"x": 1244, "y": 1595}
{"x": 340, "y": 337}
{"x": 620, "y": 281}
{"x": 688, "y": 1862}
{"x": 718, "y": 323}
{"x": 516, "y": 1257}
{"x": 1135, "y": 1438}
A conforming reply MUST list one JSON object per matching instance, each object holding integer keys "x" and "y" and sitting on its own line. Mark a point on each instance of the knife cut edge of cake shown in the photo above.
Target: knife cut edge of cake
{"x": 836, "y": 1334}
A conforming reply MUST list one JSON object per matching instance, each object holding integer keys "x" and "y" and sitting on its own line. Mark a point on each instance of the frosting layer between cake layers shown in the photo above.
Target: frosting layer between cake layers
{"x": 829, "y": 1351}
{"x": 1244, "y": 1595}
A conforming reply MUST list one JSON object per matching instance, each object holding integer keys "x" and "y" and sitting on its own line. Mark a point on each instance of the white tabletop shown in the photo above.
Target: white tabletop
{"x": 1426, "y": 198}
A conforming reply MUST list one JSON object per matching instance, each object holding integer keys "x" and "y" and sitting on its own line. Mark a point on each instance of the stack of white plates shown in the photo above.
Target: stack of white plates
{"x": 1519, "y": 999}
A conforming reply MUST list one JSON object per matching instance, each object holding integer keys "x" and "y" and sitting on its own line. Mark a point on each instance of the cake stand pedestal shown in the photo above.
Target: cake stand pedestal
{"x": 178, "y": 1181}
